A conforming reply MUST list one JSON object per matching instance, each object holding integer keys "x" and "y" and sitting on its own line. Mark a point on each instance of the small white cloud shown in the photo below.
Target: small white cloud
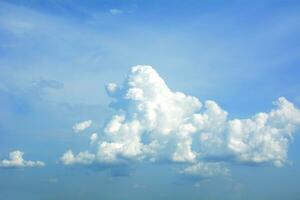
{"x": 16, "y": 161}
{"x": 81, "y": 126}
{"x": 115, "y": 11}
{"x": 203, "y": 169}
{"x": 93, "y": 138}
{"x": 84, "y": 158}
{"x": 111, "y": 88}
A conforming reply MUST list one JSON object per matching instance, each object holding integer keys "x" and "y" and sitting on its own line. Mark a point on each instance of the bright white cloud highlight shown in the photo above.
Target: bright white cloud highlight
{"x": 81, "y": 126}
{"x": 16, "y": 161}
{"x": 154, "y": 123}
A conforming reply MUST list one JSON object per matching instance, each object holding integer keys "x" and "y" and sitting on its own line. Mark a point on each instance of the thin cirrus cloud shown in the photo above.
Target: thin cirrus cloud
{"x": 155, "y": 124}
{"x": 16, "y": 160}
{"x": 81, "y": 126}
{"x": 115, "y": 11}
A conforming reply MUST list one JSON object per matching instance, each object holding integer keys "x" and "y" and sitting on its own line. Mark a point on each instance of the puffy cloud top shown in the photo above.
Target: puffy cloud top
{"x": 156, "y": 124}
{"x": 16, "y": 161}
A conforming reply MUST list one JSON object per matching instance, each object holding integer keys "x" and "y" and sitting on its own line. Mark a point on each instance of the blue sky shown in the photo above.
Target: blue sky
{"x": 57, "y": 56}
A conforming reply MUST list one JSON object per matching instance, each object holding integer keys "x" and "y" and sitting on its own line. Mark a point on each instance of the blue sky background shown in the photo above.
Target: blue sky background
{"x": 56, "y": 57}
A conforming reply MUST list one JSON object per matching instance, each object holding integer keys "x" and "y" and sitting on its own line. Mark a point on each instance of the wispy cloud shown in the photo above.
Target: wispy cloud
{"x": 115, "y": 11}
{"x": 81, "y": 126}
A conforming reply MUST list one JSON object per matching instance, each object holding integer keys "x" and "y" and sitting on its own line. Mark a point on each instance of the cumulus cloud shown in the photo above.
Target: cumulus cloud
{"x": 153, "y": 123}
{"x": 81, "y": 126}
{"x": 16, "y": 161}
{"x": 81, "y": 158}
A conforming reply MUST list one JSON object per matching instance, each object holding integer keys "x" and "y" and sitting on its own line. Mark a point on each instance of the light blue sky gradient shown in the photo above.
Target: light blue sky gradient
{"x": 56, "y": 57}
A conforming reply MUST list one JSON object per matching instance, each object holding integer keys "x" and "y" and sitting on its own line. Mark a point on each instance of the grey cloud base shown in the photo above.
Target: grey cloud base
{"x": 154, "y": 124}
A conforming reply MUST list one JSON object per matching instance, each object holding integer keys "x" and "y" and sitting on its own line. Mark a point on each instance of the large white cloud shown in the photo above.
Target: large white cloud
{"x": 153, "y": 123}
{"x": 16, "y": 161}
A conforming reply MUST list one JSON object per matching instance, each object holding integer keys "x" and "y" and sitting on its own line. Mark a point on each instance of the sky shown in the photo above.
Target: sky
{"x": 149, "y": 99}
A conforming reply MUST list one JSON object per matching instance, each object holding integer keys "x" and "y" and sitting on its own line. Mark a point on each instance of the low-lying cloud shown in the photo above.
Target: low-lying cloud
{"x": 155, "y": 124}
{"x": 16, "y": 161}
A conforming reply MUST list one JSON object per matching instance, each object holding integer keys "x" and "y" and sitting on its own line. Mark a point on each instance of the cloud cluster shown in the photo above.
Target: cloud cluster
{"x": 153, "y": 123}
{"x": 16, "y": 161}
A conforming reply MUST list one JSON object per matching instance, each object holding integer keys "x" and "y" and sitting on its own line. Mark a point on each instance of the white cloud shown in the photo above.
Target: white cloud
{"x": 111, "y": 88}
{"x": 81, "y": 126}
{"x": 16, "y": 161}
{"x": 157, "y": 124}
{"x": 115, "y": 11}
{"x": 81, "y": 158}
{"x": 266, "y": 136}
{"x": 203, "y": 169}
{"x": 93, "y": 138}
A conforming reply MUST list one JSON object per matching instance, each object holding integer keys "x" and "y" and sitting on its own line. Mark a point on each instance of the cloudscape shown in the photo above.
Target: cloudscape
{"x": 149, "y": 100}
{"x": 156, "y": 124}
